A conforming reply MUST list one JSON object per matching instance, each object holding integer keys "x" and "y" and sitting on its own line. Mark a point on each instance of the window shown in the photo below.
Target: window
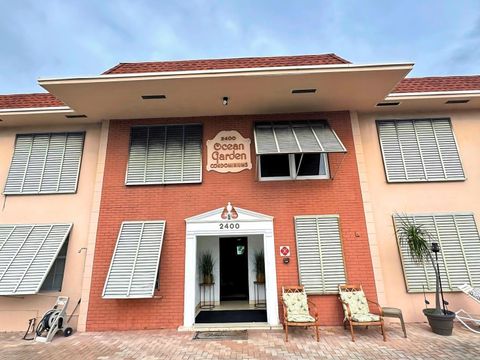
{"x": 135, "y": 262}
{"x": 27, "y": 253}
{"x": 419, "y": 150}
{"x": 45, "y": 163}
{"x": 165, "y": 154}
{"x": 459, "y": 256}
{"x": 293, "y": 166}
{"x": 54, "y": 279}
{"x": 320, "y": 256}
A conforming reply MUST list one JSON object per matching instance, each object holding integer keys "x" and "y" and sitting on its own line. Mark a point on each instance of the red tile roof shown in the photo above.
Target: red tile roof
{"x": 232, "y": 63}
{"x": 17, "y": 101}
{"x": 438, "y": 83}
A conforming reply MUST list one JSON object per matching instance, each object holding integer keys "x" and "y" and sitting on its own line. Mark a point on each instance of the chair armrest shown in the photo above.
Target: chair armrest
{"x": 312, "y": 307}
{"x": 347, "y": 305}
{"x": 284, "y": 306}
{"x": 378, "y": 306}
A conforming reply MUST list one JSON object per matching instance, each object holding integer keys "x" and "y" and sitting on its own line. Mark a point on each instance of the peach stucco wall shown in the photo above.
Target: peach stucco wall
{"x": 386, "y": 199}
{"x": 62, "y": 208}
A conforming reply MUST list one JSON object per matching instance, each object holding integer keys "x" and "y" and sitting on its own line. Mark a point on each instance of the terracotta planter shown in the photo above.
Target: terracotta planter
{"x": 260, "y": 278}
{"x": 441, "y": 324}
{"x": 208, "y": 279}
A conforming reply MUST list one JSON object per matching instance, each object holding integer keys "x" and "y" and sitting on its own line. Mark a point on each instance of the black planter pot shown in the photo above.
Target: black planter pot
{"x": 441, "y": 324}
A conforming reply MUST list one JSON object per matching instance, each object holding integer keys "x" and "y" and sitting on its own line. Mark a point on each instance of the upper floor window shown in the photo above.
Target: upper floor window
{"x": 419, "y": 150}
{"x": 295, "y": 150}
{"x": 294, "y": 166}
{"x": 165, "y": 154}
{"x": 45, "y": 163}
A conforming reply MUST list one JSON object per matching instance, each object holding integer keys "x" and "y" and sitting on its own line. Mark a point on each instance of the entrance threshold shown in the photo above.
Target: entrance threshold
{"x": 231, "y": 326}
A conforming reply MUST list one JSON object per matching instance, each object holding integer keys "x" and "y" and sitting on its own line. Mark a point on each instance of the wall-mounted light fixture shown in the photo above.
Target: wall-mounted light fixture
{"x": 225, "y": 101}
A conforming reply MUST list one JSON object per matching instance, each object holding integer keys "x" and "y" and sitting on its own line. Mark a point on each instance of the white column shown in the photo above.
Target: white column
{"x": 190, "y": 276}
{"x": 270, "y": 278}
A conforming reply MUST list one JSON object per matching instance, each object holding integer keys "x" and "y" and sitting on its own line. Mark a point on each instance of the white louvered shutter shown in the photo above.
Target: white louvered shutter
{"x": 419, "y": 150}
{"x": 134, "y": 267}
{"x": 27, "y": 253}
{"x": 165, "y": 155}
{"x": 192, "y": 154}
{"x": 459, "y": 253}
{"x": 296, "y": 137}
{"x": 320, "y": 255}
{"x": 45, "y": 163}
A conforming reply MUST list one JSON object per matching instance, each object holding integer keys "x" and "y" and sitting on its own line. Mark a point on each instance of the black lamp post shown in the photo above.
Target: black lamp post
{"x": 436, "y": 249}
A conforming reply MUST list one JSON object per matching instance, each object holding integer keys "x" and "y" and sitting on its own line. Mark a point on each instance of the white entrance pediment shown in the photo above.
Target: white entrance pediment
{"x": 216, "y": 216}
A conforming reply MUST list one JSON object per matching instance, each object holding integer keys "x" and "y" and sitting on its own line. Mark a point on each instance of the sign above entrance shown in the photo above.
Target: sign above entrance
{"x": 284, "y": 251}
{"x": 228, "y": 151}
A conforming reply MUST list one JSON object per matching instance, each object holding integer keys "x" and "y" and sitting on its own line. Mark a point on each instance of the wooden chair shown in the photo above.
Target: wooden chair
{"x": 298, "y": 310}
{"x": 356, "y": 309}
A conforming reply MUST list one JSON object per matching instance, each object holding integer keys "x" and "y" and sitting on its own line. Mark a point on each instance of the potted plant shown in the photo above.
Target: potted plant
{"x": 417, "y": 240}
{"x": 259, "y": 264}
{"x": 206, "y": 267}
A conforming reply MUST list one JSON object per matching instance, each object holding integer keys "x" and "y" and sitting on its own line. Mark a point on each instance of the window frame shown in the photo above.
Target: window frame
{"x": 432, "y": 119}
{"x": 54, "y": 267}
{"x": 128, "y": 184}
{"x": 292, "y": 167}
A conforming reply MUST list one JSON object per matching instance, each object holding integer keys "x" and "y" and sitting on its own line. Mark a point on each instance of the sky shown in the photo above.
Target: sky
{"x": 61, "y": 38}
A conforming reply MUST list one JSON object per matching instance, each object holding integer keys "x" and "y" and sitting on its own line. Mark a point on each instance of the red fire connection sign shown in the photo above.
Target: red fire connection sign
{"x": 284, "y": 250}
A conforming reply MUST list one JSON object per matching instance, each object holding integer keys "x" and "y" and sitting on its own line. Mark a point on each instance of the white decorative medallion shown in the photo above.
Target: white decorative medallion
{"x": 228, "y": 151}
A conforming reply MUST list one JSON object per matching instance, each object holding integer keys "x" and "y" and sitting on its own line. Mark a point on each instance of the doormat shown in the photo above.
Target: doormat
{"x": 229, "y": 316}
{"x": 221, "y": 335}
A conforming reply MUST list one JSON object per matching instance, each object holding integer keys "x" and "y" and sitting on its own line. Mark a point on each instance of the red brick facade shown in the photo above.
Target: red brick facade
{"x": 280, "y": 199}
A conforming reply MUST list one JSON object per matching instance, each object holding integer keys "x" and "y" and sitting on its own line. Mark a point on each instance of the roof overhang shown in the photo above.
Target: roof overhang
{"x": 250, "y": 91}
{"x": 431, "y": 101}
{"x": 59, "y": 115}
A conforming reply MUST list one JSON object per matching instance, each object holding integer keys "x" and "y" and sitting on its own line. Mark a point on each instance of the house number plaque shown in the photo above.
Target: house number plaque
{"x": 228, "y": 151}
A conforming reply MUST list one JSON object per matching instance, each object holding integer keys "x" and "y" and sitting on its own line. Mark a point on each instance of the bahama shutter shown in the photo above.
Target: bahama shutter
{"x": 27, "y": 253}
{"x": 165, "y": 154}
{"x": 134, "y": 267}
{"x": 319, "y": 252}
{"x": 419, "y": 150}
{"x": 45, "y": 163}
{"x": 459, "y": 254}
{"x": 296, "y": 137}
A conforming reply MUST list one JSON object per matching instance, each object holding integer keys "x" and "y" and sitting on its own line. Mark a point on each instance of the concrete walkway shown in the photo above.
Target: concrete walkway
{"x": 335, "y": 343}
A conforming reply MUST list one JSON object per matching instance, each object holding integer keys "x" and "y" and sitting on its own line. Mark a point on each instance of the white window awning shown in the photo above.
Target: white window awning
{"x": 134, "y": 267}
{"x": 27, "y": 252}
{"x": 296, "y": 137}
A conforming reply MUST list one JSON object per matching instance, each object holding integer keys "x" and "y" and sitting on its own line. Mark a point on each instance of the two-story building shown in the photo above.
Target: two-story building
{"x": 116, "y": 187}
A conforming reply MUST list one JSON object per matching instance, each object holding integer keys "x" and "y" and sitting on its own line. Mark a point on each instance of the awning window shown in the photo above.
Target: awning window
{"x": 296, "y": 137}
{"x": 134, "y": 267}
{"x": 27, "y": 253}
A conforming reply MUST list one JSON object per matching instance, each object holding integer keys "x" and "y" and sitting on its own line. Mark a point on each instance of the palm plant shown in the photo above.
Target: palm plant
{"x": 206, "y": 267}
{"x": 259, "y": 264}
{"x": 416, "y": 238}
